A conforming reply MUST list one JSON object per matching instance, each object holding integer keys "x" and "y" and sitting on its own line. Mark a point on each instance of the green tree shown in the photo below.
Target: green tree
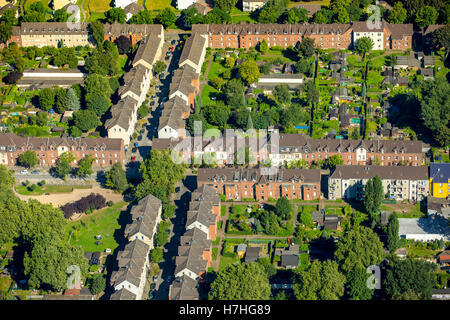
{"x": 268, "y": 266}
{"x": 393, "y": 240}
{"x": 359, "y": 247}
{"x": 233, "y": 90}
{"x": 48, "y": 260}
{"x": 98, "y": 32}
{"x": 282, "y": 94}
{"x": 435, "y": 105}
{"x": 307, "y": 47}
{"x": 354, "y": 134}
{"x": 247, "y": 281}
{"x": 263, "y": 46}
{"x": 159, "y": 175}
{"x": 283, "y": 208}
{"x": 96, "y": 84}
{"x": 334, "y": 160}
{"x": 166, "y": 17}
{"x": 116, "y": 15}
{"x": 343, "y": 17}
{"x": 143, "y": 111}
{"x": 398, "y": 14}
{"x": 97, "y": 284}
{"x": 312, "y": 94}
{"x": 28, "y": 159}
{"x": 373, "y": 195}
{"x": 142, "y": 17}
{"x": 230, "y": 62}
{"x": 85, "y": 166}
{"x": 63, "y": 167}
{"x": 364, "y": 45}
{"x": 47, "y": 99}
{"x": 321, "y": 281}
{"x": 440, "y": 38}
{"x": 410, "y": 277}
{"x": 225, "y": 5}
{"x": 249, "y": 71}
{"x": 162, "y": 237}
{"x": 426, "y": 16}
{"x": 306, "y": 218}
{"x": 5, "y": 32}
{"x": 356, "y": 286}
{"x": 116, "y": 178}
{"x": 156, "y": 255}
{"x": 9, "y": 17}
{"x": 72, "y": 101}
{"x": 60, "y": 100}
{"x": 85, "y": 120}
{"x": 159, "y": 67}
{"x": 60, "y": 15}
{"x": 97, "y": 104}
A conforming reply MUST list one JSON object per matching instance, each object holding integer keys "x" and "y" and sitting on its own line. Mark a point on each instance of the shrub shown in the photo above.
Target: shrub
{"x": 109, "y": 203}
{"x": 42, "y": 183}
{"x": 93, "y": 268}
{"x": 91, "y": 202}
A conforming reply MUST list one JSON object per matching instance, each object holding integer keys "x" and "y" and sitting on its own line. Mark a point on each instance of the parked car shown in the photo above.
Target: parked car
{"x": 152, "y": 286}
{"x": 133, "y": 158}
{"x": 150, "y": 295}
{"x": 174, "y": 42}
{"x": 142, "y": 131}
{"x": 139, "y": 138}
{"x": 134, "y": 150}
{"x": 155, "y": 278}
{"x": 165, "y": 99}
{"x": 24, "y": 172}
{"x": 35, "y": 172}
{"x": 171, "y": 48}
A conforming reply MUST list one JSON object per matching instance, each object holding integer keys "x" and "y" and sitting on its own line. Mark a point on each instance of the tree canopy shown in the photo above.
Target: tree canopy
{"x": 246, "y": 281}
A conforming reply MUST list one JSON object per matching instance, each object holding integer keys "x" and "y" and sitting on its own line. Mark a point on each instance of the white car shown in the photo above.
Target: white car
{"x": 24, "y": 172}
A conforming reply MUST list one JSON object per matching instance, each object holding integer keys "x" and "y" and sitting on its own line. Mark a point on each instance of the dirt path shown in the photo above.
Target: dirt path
{"x": 59, "y": 199}
{"x": 220, "y": 233}
{"x": 205, "y": 77}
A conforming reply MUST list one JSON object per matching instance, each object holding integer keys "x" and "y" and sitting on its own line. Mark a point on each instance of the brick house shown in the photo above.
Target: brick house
{"x": 238, "y": 184}
{"x": 107, "y": 151}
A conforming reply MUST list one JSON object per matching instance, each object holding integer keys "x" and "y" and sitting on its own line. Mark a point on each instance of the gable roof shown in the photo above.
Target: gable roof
{"x": 387, "y": 172}
{"x": 123, "y": 294}
{"x": 440, "y": 172}
{"x": 193, "y": 48}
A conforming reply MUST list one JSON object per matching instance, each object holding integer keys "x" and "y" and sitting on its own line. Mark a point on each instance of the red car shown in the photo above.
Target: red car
{"x": 171, "y": 48}
{"x": 133, "y": 158}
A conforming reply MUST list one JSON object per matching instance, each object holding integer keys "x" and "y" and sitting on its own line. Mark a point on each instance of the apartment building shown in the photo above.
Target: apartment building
{"x": 326, "y": 36}
{"x": 107, "y": 151}
{"x": 135, "y": 32}
{"x": 194, "y": 252}
{"x": 135, "y": 86}
{"x": 295, "y": 147}
{"x": 54, "y": 34}
{"x": 183, "y": 89}
{"x": 439, "y": 179}
{"x": 255, "y": 183}
{"x": 130, "y": 274}
{"x": 399, "y": 182}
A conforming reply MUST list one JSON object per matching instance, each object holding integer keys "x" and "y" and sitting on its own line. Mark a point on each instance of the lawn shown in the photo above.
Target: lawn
{"x": 157, "y": 4}
{"x": 98, "y": 5}
{"x": 103, "y": 222}
{"x": 5, "y": 284}
{"x": 225, "y": 261}
{"x": 21, "y": 189}
{"x": 215, "y": 70}
{"x": 223, "y": 211}
{"x": 207, "y": 93}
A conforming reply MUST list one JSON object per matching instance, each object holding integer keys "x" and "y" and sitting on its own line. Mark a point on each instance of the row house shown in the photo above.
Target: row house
{"x": 183, "y": 89}
{"x": 54, "y": 34}
{"x": 262, "y": 183}
{"x": 295, "y": 147}
{"x": 107, "y": 151}
{"x": 145, "y": 216}
{"x": 132, "y": 268}
{"x": 440, "y": 179}
{"x": 399, "y": 182}
{"x": 326, "y": 36}
{"x": 195, "y": 250}
{"x": 135, "y": 32}
{"x": 130, "y": 274}
{"x": 135, "y": 86}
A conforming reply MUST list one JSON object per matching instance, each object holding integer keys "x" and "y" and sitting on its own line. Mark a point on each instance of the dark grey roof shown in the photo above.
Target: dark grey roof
{"x": 121, "y": 113}
{"x": 191, "y": 258}
{"x": 172, "y": 114}
{"x": 388, "y": 172}
{"x": 184, "y": 288}
{"x": 123, "y": 294}
{"x": 289, "y": 260}
{"x": 147, "y": 49}
{"x": 116, "y": 29}
{"x": 133, "y": 8}
{"x": 45, "y": 28}
{"x": 133, "y": 81}
{"x": 144, "y": 216}
{"x": 252, "y": 254}
{"x": 193, "y": 48}
{"x": 13, "y": 142}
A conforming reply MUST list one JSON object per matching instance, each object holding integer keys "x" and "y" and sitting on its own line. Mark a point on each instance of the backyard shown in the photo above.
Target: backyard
{"x": 39, "y": 190}
{"x": 104, "y": 222}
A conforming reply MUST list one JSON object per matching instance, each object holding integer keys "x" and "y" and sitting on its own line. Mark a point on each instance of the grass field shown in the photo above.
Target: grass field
{"x": 215, "y": 70}
{"x": 98, "y": 5}
{"x": 225, "y": 261}
{"x": 157, "y": 4}
{"x": 104, "y": 222}
{"x": 49, "y": 189}
{"x": 207, "y": 89}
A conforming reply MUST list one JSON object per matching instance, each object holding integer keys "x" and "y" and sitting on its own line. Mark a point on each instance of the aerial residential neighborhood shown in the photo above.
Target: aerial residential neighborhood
{"x": 224, "y": 150}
